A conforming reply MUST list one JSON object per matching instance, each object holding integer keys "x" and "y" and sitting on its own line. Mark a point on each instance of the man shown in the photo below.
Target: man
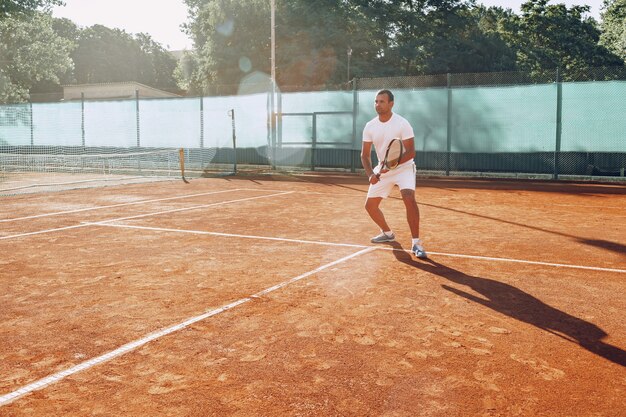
{"x": 379, "y": 132}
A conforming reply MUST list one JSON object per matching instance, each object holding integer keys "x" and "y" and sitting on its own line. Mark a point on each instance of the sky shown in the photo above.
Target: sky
{"x": 161, "y": 19}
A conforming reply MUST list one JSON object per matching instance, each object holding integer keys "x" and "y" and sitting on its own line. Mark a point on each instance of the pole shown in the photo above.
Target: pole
{"x": 32, "y": 127}
{"x": 137, "y": 117}
{"x": 449, "y": 125}
{"x": 273, "y": 76}
{"x": 559, "y": 114}
{"x": 82, "y": 119}
{"x": 349, "y": 55}
{"x": 231, "y": 113}
{"x": 355, "y": 106}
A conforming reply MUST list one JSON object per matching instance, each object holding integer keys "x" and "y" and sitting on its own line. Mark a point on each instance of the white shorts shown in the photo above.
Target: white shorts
{"x": 403, "y": 176}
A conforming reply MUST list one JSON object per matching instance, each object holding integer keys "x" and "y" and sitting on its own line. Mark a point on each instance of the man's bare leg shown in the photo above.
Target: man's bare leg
{"x": 412, "y": 211}
{"x": 372, "y": 207}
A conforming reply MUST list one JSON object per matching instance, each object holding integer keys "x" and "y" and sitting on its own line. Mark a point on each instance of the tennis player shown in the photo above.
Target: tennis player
{"x": 379, "y": 132}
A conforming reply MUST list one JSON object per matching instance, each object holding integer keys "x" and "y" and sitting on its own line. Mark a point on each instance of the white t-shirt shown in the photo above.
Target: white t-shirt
{"x": 380, "y": 134}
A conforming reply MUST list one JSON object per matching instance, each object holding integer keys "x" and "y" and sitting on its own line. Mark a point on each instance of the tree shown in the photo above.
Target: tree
{"x": 388, "y": 38}
{"x": 17, "y": 8}
{"x": 613, "y": 35}
{"x": 230, "y": 40}
{"x": 31, "y": 53}
{"x": 68, "y": 30}
{"x": 157, "y": 65}
{"x": 105, "y": 55}
{"x": 312, "y": 41}
{"x": 187, "y": 73}
{"x": 113, "y": 55}
{"x": 547, "y": 37}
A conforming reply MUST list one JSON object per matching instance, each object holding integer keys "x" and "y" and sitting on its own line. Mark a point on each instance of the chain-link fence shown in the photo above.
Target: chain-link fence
{"x": 552, "y": 124}
{"x": 549, "y": 124}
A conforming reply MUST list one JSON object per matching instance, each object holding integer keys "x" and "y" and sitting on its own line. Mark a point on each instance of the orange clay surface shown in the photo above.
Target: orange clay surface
{"x": 272, "y": 301}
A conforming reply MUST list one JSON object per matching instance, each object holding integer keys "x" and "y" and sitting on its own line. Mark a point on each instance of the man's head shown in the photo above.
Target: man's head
{"x": 384, "y": 103}
{"x": 388, "y": 93}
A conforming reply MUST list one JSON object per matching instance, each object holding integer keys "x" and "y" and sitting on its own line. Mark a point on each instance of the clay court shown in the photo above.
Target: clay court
{"x": 262, "y": 296}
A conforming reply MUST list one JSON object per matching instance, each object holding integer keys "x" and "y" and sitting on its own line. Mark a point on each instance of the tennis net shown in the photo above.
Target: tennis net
{"x": 150, "y": 163}
{"x": 28, "y": 171}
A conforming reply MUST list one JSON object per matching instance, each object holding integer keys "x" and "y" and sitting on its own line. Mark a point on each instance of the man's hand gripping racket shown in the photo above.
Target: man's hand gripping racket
{"x": 393, "y": 156}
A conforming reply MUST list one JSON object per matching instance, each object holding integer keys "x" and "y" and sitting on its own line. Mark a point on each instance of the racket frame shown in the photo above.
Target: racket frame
{"x": 385, "y": 162}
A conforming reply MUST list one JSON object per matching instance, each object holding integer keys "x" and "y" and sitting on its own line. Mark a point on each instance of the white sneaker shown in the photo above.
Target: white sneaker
{"x": 383, "y": 237}
{"x": 418, "y": 250}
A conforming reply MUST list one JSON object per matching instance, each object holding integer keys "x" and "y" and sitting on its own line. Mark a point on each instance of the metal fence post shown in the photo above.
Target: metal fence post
{"x": 201, "y": 122}
{"x": 137, "y": 116}
{"x": 449, "y": 124}
{"x": 82, "y": 119}
{"x": 559, "y": 125}
{"x": 355, "y": 110}
{"x": 32, "y": 128}
{"x": 314, "y": 141}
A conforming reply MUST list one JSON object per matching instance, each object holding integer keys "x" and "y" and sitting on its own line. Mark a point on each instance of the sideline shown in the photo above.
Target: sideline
{"x": 54, "y": 378}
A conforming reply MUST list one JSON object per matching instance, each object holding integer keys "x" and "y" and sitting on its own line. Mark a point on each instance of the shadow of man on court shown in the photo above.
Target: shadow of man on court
{"x": 515, "y": 303}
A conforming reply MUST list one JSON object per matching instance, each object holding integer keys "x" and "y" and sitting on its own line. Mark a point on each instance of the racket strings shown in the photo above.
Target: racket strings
{"x": 394, "y": 154}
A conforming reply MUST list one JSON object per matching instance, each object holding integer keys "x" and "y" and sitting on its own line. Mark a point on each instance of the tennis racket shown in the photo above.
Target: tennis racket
{"x": 393, "y": 156}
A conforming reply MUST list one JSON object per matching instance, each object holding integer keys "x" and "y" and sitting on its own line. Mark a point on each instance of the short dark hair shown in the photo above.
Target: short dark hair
{"x": 389, "y": 94}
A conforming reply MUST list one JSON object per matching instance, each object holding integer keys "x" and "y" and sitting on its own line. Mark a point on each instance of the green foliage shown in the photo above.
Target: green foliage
{"x": 186, "y": 73}
{"x": 613, "y": 35}
{"x": 31, "y": 53}
{"x": 546, "y": 37}
{"x": 40, "y": 53}
{"x": 17, "y": 8}
{"x": 395, "y": 37}
{"x": 232, "y": 39}
{"x": 385, "y": 37}
{"x": 112, "y": 55}
{"x": 313, "y": 40}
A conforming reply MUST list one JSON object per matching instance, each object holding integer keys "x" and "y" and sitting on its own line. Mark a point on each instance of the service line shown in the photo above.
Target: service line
{"x": 157, "y": 213}
{"x": 156, "y": 200}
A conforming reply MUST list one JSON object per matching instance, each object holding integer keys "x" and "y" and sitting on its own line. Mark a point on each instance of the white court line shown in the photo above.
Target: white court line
{"x": 54, "y": 184}
{"x": 316, "y": 242}
{"x": 199, "y": 232}
{"x": 158, "y": 213}
{"x": 54, "y": 378}
{"x": 36, "y": 216}
{"x": 522, "y": 261}
{"x": 141, "y": 215}
{"x": 58, "y": 229}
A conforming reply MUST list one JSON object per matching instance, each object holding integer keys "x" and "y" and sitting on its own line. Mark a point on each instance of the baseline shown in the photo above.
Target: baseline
{"x": 315, "y": 242}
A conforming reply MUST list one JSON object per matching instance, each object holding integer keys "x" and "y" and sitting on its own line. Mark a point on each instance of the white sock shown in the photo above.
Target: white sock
{"x": 388, "y": 233}
{"x": 416, "y": 241}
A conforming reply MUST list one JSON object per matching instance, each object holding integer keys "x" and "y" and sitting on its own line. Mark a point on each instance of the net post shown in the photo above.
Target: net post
{"x": 181, "y": 161}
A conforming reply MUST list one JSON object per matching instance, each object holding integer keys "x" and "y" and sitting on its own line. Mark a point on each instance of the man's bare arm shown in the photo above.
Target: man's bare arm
{"x": 409, "y": 150}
